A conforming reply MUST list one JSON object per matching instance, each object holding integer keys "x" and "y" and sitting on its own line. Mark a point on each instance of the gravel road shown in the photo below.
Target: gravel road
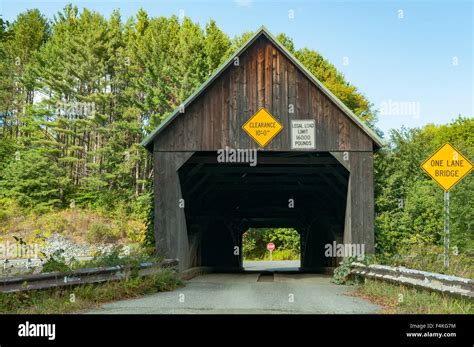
{"x": 250, "y": 292}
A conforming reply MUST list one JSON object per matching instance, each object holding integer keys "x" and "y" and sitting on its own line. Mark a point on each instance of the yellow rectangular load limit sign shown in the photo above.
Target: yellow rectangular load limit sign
{"x": 447, "y": 166}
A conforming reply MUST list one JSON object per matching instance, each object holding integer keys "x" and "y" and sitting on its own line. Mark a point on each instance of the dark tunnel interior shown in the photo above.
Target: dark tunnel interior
{"x": 306, "y": 191}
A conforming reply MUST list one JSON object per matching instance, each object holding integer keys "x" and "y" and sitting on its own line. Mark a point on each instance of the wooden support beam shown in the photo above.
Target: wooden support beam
{"x": 196, "y": 185}
{"x": 190, "y": 174}
{"x": 334, "y": 187}
{"x": 359, "y": 223}
{"x": 302, "y": 170}
{"x": 170, "y": 222}
{"x": 265, "y": 160}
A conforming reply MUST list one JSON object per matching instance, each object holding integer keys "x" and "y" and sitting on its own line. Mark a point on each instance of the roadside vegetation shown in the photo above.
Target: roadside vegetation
{"x": 71, "y": 162}
{"x": 86, "y": 297}
{"x": 79, "y": 225}
{"x": 409, "y": 204}
{"x": 431, "y": 259}
{"x": 82, "y": 297}
{"x": 397, "y": 298}
{"x": 287, "y": 244}
{"x": 57, "y": 262}
{"x": 401, "y": 299}
{"x": 405, "y": 300}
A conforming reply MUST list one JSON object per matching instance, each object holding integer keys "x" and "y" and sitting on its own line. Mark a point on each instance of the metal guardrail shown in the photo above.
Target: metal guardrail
{"x": 79, "y": 276}
{"x": 452, "y": 285}
{"x": 17, "y": 266}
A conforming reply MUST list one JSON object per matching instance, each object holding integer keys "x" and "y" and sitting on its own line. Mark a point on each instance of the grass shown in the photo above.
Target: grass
{"x": 79, "y": 225}
{"x": 401, "y": 299}
{"x": 84, "y": 297}
{"x": 283, "y": 254}
{"x": 430, "y": 258}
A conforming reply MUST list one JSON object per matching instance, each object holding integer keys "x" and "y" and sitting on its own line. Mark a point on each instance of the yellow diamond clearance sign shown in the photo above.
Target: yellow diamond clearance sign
{"x": 262, "y": 127}
{"x": 447, "y": 166}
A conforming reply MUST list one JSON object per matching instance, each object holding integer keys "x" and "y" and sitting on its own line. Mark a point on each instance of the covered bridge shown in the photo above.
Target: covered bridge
{"x": 313, "y": 172}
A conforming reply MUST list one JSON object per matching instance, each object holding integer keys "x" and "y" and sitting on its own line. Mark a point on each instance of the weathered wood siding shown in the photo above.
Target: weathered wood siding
{"x": 203, "y": 235}
{"x": 266, "y": 78}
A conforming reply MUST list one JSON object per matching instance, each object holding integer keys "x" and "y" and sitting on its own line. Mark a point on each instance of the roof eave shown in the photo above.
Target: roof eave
{"x": 378, "y": 142}
{"x": 148, "y": 141}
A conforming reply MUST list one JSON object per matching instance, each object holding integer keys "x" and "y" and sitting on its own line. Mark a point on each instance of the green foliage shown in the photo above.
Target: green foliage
{"x": 58, "y": 300}
{"x": 102, "y": 233}
{"x": 56, "y": 262}
{"x": 52, "y": 223}
{"x": 150, "y": 224}
{"x": 409, "y": 204}
{"x": 217, "y": 46}
{"x": 287, "y": 243}
{"x": 35, "y": 180}
{"x": 400, "y": 299}
{"x": 430, "y": 258}
{"x": 7, "y": 151}
{"x": 8, "y": 210}
{"x": 117, "y": 257}
{"x": 342, "y": 274}
{"x": 283, "y": 254}
{"x": 131, "y": 75}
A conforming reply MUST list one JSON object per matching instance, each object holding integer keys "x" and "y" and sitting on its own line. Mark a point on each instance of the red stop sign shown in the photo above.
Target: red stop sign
{"x": 270, "y": 246}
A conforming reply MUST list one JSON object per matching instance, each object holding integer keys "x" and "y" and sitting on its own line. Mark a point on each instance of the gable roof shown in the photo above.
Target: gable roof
{"x": 148, "y": 141}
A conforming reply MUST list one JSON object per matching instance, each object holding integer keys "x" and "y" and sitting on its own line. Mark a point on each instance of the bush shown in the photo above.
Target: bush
{"x": 53, "y": 223}
{"x": 136, "y": 231}
{"x": 56, "y": 262}
{"x": 8, "y": 210}
{"x": 342, "y": 274}
{"x": 116, "y": 257}
{"x": 35, "y": 181}
{"x": 102, "y": 233}
{"x": 283, "y": 254}
{"x": 431, "y": 259}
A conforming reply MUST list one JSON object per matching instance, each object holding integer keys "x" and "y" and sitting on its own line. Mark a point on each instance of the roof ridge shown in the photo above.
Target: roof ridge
{"x": 263, "y": 30}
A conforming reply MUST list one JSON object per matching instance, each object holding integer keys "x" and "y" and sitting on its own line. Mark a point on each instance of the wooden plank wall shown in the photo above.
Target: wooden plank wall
{"x": 264, "y": 78}
{"x": 171, "y": 234}
{"x": 360, "y": 212}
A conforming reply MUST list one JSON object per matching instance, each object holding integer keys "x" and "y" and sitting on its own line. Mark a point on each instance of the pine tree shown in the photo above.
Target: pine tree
{"x": 217, "y": 46}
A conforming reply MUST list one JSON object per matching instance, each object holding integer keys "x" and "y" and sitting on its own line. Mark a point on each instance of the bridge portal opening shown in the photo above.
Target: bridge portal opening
{"x": 202, "y": 205}
{"x": 285, "y": 256}
{"x": 305, "y": 191}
